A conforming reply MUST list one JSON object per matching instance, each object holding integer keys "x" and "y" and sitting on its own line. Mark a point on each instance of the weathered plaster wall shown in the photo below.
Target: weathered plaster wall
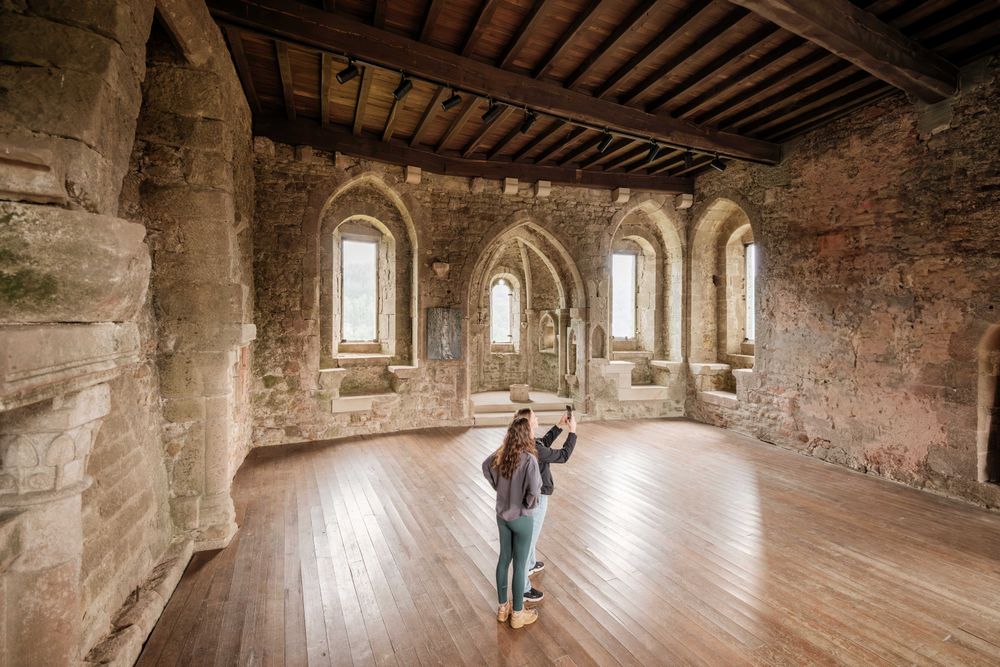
{"x": 879, "y": 249}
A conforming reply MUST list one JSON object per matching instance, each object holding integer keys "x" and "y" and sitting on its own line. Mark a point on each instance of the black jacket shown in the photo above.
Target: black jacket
{"x": 547, "y": 455}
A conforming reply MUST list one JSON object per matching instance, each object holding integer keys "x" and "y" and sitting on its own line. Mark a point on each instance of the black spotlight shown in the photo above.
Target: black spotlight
{"x": 451, "y": 102}
{"x": 688, "y": 159}
{"x": 491, "y": 113}
{"x": 605, "y": 142}
{"x": 348, "y": 73}
{"x": 529, "y": 120}
{"x": 405, "y": 86}
{"x": 654, "y": 151}
{"x": 717, "y": 164}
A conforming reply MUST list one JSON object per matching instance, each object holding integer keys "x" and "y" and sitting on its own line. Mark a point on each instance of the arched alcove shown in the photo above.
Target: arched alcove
{"x": 365, "y": 208}
{"x": 720, "y": 245}
{"x": 988, "y": 429}
{"x": 550, "y": 288}
{"x": 598, "y": 343}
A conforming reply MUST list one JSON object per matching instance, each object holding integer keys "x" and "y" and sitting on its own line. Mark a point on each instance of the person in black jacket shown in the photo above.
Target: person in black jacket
{"x": 546, "y": 455}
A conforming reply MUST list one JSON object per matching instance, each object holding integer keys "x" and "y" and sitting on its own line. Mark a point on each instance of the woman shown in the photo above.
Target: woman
{"x": 513, "y": 471}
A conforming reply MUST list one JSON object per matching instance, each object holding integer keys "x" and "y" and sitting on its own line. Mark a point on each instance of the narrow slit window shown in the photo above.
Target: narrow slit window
{"x": 501, "y": 307}
{"x": 623, "y": 286}
{"x": 751, "y": 286}
{"x": 359, "y": 280}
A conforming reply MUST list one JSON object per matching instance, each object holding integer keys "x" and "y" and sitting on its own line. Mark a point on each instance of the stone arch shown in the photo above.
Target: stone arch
{"x": 715, "y": 283}
{"x": 648, "y": 219}
{"x": 368, "y": 197}
{"x": 988, "y": 427}
{"x": 527, "y": 244}
{"x": 598, "y": 343}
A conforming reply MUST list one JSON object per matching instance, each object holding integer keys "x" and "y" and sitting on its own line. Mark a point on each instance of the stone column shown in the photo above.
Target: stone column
{"x": 43, "y": 458}
{"x": 562, "y": 338}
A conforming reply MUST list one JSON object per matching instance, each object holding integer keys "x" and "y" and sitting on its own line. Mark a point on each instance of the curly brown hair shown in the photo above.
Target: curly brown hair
{"x": 519, "y": 439}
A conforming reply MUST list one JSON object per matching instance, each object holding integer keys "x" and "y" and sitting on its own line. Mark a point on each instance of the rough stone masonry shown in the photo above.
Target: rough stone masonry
{"x": 167, "y": 303}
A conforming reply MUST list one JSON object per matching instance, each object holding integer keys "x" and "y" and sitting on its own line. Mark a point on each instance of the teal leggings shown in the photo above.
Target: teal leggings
{"x": 515, "y": 541}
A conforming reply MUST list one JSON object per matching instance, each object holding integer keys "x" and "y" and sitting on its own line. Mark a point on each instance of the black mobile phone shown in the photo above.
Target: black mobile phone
{"x": 569, "y": 412}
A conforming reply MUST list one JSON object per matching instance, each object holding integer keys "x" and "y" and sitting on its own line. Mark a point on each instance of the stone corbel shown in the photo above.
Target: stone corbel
{"x": 401, "y": 376}
{"x": 330, "y": 380}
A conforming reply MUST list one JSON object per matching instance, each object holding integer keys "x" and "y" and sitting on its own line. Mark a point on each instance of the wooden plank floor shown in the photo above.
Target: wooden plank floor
{"x": 666, "y": 543}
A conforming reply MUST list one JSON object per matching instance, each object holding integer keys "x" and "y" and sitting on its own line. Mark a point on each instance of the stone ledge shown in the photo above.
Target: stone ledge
{"x": 138, "y": 616}
{"x": 723, "y": 399}
{"x": 360, "y": 403}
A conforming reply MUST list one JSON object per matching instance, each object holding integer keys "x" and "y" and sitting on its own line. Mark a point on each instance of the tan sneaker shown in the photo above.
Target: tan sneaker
{"x": 503, "y": 611}
{"x": 519, "y": 619}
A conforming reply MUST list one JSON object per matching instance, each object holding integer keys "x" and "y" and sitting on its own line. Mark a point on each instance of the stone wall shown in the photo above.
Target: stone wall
{"x": 879, "y": 246}
{"x": 468, "y": 224}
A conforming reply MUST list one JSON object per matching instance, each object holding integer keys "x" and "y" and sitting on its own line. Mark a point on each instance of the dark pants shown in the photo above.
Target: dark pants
{"x": 515, "y": 541}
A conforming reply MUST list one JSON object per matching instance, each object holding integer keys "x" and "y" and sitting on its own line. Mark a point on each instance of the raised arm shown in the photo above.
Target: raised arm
{"x": 550, "y": 436}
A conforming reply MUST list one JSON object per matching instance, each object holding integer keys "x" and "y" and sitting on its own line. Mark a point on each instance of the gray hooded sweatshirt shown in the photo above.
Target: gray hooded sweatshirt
{"x": 517, "y": 496}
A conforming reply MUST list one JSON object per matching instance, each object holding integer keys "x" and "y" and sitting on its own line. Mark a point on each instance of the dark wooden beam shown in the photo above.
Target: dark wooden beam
{"x": 525, "y": 32}
{"x": 429, "y": 113}
{"x": 330, "y": 5}
{"x": 285, "y": 74}
{"x": 458, "y": 122}
{"x": 367, "y": 74}
{"x": 627, "y": 158}
{"x": 614, "y": 150}
{"x": 644, "y": 166}
{"x": 486, "y": 13}
{"x": 378, "y": 17}
{"x": 478, "y": 139}
{"x": 590, "y": 144}
{"x": 334, "y": 139}
{"x": 433, "y": 12}
{"x": 813, "y": 103}
{"x": 713, "y": 67}
{"x": 235, "y": 40}
{"x": 855, "y": 35}
{"x": 507, "y": 138}
{"x": 632, "y": 22}
{"x": 390, "y": 120}
{"x": 326, "y": 79}
{"x": 691, "y": 51}
{"x": 875, "y": 91}
{"x": 582, "y": 22}
{"x": 676, "y": 28}
{"x": 324, "y": 30}
{"x": 539, "y": 139}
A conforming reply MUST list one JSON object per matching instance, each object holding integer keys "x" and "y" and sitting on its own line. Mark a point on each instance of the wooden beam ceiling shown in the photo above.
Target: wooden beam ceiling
{"x": 235, "y": 40}
{"x": 859, "y": 37}
{"x": 335, "y": 139}
{"x": 285, "y": 74}
{"x": 525, "y": 32}
{"x": 631, "y": 23}
{"x": 328, "y": 31}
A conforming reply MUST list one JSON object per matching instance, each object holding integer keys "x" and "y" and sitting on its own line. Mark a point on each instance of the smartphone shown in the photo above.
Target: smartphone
{"x": 569, "y": 412}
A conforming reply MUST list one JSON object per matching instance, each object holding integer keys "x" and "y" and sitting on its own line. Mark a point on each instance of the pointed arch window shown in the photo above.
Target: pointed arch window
{"x": 501, "y": 313}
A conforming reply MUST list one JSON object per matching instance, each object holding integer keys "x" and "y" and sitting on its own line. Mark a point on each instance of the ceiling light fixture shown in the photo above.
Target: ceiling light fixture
{"x": 654, "y": 151}
{"x": 529, "y": 120}
{"x": 404, "y": 87}
{"x": 492, "y": 112}
{"x": 605, "y": 142}
{"x": 452, "y": 101}
{"x": 348, "y": 73}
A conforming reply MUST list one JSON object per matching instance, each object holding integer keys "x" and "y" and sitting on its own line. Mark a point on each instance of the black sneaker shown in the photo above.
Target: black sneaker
{"x": 537, "y": 567}
{"x": 534, "y": 595}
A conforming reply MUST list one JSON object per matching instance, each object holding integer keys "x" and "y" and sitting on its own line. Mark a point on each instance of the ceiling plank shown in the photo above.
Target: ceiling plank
{"x": 362, "y": 103}
{"x": 433, "y": 12}
{"x": 540, "y": 138}
{"x": 861, "y": 38}
{"x": 614, "y": 150}
{"x": 627, "y": 158}
{"x": 524, "y": 33}
{"x": 482, "y": 22}
{"x": 458, "y": 123}
{"x": 713, "y": 67}
{"x": 672, "y": 32}
{"x": 325, "y": 81}
{"x": 579, "y": 150}
{"x": 378, "y": 18}
{"x": 429, "y": 113}
{"x": 633, "y": 21}
{"x": 478, "y": 139}
{"x": 571, "y": 138}
{"x": 704, "y": 41}
{"x": 324, "y": 30}
{"x": 285, "y": 74}
{"x": 242, "y": 66}
{"x": 507, "y": 138}
{"x": 582, "y": 22}
{"x": 334, "y": 139}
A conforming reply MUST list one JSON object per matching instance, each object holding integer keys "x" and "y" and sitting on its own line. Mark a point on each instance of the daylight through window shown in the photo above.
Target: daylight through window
{"x": 360, "y": 290}
{"x": 623, "y": 277}
{"x": 501, "y": 298}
